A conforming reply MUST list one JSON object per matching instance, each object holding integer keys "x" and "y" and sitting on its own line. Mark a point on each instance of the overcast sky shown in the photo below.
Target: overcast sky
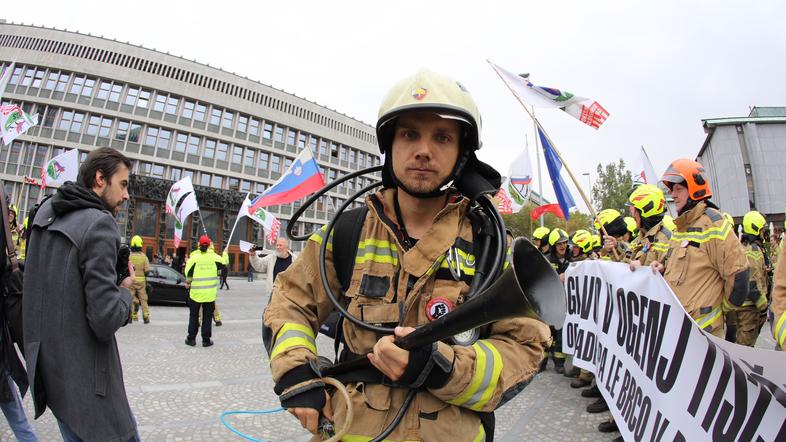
{"x": 657, "y": 67}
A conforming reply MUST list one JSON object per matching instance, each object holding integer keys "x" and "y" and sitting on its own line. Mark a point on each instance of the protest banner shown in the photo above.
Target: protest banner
{"x": 661, "y": 375}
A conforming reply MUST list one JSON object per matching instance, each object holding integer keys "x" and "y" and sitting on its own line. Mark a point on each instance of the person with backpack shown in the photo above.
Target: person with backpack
{"x": 413, "y": 262}
{"x": 74, "y": 304}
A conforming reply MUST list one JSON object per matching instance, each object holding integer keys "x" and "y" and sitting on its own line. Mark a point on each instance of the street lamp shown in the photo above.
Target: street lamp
{"x": 589, "y": 180}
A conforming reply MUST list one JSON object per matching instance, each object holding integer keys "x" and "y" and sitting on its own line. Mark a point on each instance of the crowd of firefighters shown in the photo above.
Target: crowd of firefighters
{"x": 723, "y": 277}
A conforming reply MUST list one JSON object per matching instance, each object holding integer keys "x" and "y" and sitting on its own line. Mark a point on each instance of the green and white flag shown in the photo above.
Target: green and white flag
{"x": 14, "y": 122}
{"x": 181, "y": 202}
{"x": 62, "y": 168}
{"x": 270, "y": 223}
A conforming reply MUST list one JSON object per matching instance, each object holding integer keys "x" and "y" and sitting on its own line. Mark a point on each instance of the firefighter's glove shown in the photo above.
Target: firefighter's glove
{"x": 427, "y": 367}
{"x": 301, "y": 387}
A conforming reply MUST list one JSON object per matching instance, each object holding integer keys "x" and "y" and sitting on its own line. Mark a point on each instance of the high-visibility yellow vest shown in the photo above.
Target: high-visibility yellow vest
{"x": 141, "y": 264}
{"x": 204, "y": 280}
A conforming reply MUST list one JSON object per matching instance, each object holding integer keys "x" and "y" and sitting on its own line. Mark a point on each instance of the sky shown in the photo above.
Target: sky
{"x": 658, "y": 68}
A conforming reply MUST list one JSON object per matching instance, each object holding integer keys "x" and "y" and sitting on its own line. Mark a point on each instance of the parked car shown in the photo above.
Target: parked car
{"x": 165, "y": 285}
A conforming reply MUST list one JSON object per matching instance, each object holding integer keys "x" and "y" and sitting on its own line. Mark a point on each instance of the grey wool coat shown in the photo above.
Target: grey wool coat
{"x": 72, "y": 309}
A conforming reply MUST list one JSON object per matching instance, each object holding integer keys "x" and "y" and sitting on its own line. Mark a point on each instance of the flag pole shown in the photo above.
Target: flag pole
{"x": 229, "y": 240}
{"x": 537, "y": 156}
{"x": 559, "y": 155}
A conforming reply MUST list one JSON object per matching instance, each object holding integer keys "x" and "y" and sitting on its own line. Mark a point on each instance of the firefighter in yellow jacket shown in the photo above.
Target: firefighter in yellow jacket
{"x": 202, "y": 272}
{"x": 138, "y": 291}
{"x": 778, "y": 305}
{"x": 751, "y": 315}
{"x": 705, "y": 262}
{"x": 428, "y": 129}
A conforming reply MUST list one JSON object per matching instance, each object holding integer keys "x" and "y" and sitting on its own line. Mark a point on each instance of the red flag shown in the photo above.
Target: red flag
{"x": 540, "y": 210}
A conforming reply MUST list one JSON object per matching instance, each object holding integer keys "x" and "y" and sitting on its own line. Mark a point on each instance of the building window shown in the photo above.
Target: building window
{"x": 180, "y": 142}
{"x": 76, "y": 86}
{"x": 160, "y": 102}
{"x": 133, "y": 134}
{"x": 50, "y": 116}
{"x": 221, "y": 151}
{"x": 248, "y": 159}
{"x": 106, "y": 126}
{"x": 122, "y": 130}
{"x": 237, "y": 154}
{"x": 193, "y": 145}
{"x": 275, "y": 163}
{"x": 245, "y": 186}
{"x": 92, "y": 125}
{"x": 87, "y": 91}
{"x": 51, "y": 80}
{"x": 158, "y": 171}
{"x": 174, "y": 174}
{"x": 291, "y": 137}
{"x": 279, "y": 134}
{"x": 301, "y": 141}
{"x": 210, "y": 148}
{"x": 171, "y": 105}
{"x": 38, "y": 79}
{"x": 215, "y": 116}
{"x": 242, "y": 123}
{"x": 322, "y": 147}
{"x": 234, "y": 183}
{"x": 312, "y": 144}
{"x": 103, "y": 90}
{"x": 145, "y": 218}
{"x": 152, "y": 134}
{"x": 163, "y": 139}
{"x": 217, "y": 181}
{"x": 253, "y": 127}
{"x": 204, "y": 180}
{"x": 264, "y": 157}
{"x": 131, "y": 96}
{"x": 114, "y": 96}
{"x": 199, "y": 112}
{"x": 188, "y": 109}
{"x": 268, "y": 134}
{"x": 260, "y": 187}
{"x": 342, "y": 153}
{"x": 228, "y": 120}
{"x": 144, "y": 99}
{"x": 351, "y": 156}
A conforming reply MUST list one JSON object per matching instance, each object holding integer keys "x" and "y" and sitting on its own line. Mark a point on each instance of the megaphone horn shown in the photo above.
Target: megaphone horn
{"x": 528, "y": 288}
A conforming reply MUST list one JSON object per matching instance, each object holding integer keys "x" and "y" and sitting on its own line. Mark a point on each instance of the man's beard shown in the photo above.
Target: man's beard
{"x": 113, "y": 209}
{"x": 282, "y": 254}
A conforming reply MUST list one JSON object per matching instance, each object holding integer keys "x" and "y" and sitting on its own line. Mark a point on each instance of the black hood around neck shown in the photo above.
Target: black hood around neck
{"x": 71, "y": 196}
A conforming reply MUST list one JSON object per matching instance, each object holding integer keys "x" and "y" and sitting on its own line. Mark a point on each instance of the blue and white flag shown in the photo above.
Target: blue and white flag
{"x": 555, "y": 167}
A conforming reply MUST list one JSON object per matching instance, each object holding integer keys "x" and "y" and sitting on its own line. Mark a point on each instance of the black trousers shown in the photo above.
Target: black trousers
{"x": 224, "y": 282}
{"x": 193, "y": 318}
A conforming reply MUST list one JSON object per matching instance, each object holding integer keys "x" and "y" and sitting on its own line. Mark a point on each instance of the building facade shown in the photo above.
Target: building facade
{"x": 745, "y": 158}
{"x": 173, "y": 118}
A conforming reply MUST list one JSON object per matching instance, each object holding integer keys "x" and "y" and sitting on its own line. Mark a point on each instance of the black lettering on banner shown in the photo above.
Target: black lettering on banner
{"x": 589, "y": 347}
{"x": 665, "y": 381}
{"x": 601, "y": 365}
{"x": 661, "y": 423}
{"x": 720, "y": 388}
{"x": 579, "y": 343}
{"x": 570, "y": 332}
{"x": 608, "y": 312}
{"x": 679, "y": 437}
{"x": 622, "y": 324}
{"x": 777, "y": 392}
{"x": 654, "y": 336}
{"x": 644, "y": 417}
{"x": 723, "y": 429}
{"x": 706, "y": 370}
{"x": 759, "y": 408}
{"x": 623, "y": 396}
{"x": 588, "y": 295}
{"x": 644, "y": 327}
{"x": 616, "y": 374}
{"x": 572, "y": 288}
{"x": 631, "y": 326}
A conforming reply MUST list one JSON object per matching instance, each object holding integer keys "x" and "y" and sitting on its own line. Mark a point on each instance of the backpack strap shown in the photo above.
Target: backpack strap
{"x": 346, "y": 235}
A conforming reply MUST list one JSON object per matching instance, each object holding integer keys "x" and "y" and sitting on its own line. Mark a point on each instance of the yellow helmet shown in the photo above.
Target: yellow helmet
{"x": 630, "y": 223}
{"x": 429, "y": 91}
{"x": 541, "y": 232}
{"x": 612, "y": 221}
{"x": 596, "y": 241}
{"x": 12, "y": 208}
{"x": 668, "y": 222}
{"x": 557, "y": 236}
{"x": 136, "y": 241}
{"x": 648, "y": 200}
{"x": 753, "y": 222}
{"x": 25, "y": 223}
{"x": 583, "y": 239}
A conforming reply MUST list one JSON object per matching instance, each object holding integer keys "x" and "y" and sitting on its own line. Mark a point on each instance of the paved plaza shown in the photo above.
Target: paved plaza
{"x": 178, "y": 392}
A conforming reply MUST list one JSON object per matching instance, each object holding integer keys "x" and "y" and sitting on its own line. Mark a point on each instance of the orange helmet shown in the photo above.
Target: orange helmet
{"x": 691, "y": 174}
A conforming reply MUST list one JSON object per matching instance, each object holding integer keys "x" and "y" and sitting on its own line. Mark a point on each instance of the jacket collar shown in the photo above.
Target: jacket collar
{"x": 689, "y": 217}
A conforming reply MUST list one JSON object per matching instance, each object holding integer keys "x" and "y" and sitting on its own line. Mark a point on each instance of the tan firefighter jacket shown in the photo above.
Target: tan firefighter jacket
{"x": 704, "y": 255}
{"x": 623, "y": 252}
{"x": 758, "y": 283}
{"x": 386, "y": 274}
{"x": 778, "y": 305}
{"x": 652, "y": 245}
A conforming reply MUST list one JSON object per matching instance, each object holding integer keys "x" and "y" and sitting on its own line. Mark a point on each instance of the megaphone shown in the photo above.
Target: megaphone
{"x": 528, "y": 288}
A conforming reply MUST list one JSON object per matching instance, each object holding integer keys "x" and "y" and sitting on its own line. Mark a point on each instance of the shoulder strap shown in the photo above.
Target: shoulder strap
{"x": 9, "y": 242}
{"x": 713, "y": 214}
{"x": 346, "y": 235}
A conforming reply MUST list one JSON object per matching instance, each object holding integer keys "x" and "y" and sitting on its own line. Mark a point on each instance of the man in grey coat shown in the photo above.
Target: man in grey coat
{"x": 73, "y": 305}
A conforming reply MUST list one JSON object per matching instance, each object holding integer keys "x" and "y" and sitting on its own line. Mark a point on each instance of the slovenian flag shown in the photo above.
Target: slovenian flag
{"x": 555, "y": 166}
{"x": 301, "y": 179}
